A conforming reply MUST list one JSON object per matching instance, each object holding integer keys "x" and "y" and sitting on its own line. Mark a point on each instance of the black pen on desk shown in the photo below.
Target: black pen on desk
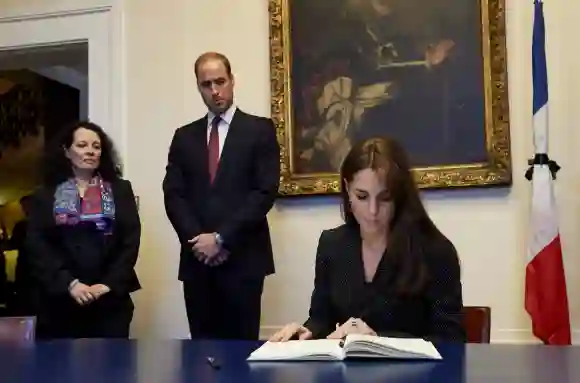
{"x": 213, "y": 363}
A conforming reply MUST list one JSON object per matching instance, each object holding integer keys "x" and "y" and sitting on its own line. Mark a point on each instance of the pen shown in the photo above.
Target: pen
{"x": 341, "y": 343}
{"x": 213, "y": 363}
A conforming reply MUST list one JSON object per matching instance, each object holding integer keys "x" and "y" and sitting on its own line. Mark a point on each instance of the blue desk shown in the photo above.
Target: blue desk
{"x": 91, "y": 361}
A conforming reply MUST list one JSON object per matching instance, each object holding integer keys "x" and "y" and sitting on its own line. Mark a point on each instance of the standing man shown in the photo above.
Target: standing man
{"x": 221, "y": 180}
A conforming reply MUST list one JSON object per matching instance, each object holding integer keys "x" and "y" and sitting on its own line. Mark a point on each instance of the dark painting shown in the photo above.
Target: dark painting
{"x": 32, "y": 110}
{"x": 429, "y": 73}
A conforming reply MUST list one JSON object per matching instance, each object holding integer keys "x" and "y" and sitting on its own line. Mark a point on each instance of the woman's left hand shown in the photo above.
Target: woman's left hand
{"x": 99, "y": 290}
{"x": 351, "y": 326}
{"x": 360, "y": 327}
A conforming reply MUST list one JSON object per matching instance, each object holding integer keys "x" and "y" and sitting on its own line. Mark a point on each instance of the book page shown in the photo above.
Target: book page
{"x": 319, "y": 349}
{"x": 369, "y": 346}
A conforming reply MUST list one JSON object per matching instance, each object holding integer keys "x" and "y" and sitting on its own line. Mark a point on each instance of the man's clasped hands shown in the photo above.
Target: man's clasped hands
{"x": 207, "y": 250}
{"x": 84, "y": 294}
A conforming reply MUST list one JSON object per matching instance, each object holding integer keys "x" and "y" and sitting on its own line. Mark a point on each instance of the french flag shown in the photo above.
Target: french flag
{"x": 546, "y": 299}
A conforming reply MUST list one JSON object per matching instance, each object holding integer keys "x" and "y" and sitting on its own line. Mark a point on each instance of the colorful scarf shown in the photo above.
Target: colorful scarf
{"x": 96, "y": 206}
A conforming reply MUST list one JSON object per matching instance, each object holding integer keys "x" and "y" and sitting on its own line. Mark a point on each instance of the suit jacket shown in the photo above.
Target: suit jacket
{"x": 341, "y": 292}
{"x": 235, "y": 204}
{"x": 59, "y": 254}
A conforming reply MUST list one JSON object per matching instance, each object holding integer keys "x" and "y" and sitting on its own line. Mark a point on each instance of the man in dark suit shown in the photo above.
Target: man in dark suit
{"x": 221, "y": 180}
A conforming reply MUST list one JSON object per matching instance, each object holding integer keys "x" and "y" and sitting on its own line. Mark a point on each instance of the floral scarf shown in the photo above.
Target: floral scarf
{"x": 96, "y": 206}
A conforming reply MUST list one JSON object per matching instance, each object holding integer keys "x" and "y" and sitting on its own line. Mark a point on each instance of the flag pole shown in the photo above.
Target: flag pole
{"x": 546, "y": 298}
{"x": 540, "y": 80}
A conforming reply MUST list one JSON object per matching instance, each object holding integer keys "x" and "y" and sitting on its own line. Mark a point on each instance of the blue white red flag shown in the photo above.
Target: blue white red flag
{"x": 546, "y": 298}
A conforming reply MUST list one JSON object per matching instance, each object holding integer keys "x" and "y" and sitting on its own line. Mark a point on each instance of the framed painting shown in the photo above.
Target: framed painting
{"x": 431, "y": 74}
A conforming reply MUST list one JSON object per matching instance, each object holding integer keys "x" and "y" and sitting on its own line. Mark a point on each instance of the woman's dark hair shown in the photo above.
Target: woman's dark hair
{"x": 410, "y": 226}
{"x": 58, "y": 168}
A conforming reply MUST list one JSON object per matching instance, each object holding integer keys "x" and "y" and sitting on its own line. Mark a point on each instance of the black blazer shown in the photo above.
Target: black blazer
{"x": 237, "y": 202}
{"x": 341, "y": 292}
{"x": 55, "y": 252}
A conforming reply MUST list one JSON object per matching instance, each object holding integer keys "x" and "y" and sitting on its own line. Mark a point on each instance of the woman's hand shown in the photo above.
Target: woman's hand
{"x": 81, "y": 293}
{"x": 289, "y": 331}
{"x": 360, "y": 327}
{"x": 351, "y": 326}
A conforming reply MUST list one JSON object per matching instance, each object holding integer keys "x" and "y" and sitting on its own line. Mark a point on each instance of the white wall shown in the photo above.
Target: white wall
{"x": 161, "y": 41}
{"x": 487, "y": 226}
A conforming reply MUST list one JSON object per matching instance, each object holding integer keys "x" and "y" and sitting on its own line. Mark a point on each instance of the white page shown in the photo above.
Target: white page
{"x": 322, "y": 349}
{"x": 404, "y": 346}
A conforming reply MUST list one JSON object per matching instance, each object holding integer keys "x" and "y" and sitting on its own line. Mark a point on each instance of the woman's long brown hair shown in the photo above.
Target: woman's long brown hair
{"x": 411, "y": 229}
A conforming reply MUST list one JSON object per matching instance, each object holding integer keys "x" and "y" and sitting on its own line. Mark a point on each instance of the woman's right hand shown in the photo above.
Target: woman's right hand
{"x": 288, "y": 331}
{"x": 81, "y": 293}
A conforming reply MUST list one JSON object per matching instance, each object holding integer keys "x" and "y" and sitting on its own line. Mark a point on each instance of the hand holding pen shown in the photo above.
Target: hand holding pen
{"x": 351, "y": 326}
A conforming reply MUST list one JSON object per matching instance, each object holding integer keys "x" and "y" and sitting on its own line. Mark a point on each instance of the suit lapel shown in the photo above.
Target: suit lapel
{"x": 359, "y": 291}
{"x": 355, "y": 270}
{"x": 199, "y": 145}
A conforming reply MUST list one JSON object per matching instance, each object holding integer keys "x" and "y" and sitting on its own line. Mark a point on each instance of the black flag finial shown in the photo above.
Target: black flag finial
{"x": 542, "y": 159}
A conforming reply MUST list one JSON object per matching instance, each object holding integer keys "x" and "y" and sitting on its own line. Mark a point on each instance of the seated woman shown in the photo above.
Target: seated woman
{"x": 82, "y": 240}
{"x": 388, "y": 270}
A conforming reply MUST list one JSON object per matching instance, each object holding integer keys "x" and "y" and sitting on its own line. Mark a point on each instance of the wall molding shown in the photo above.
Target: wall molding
{"x": 59, "y": 8}
{"x": 507, "y": 336}
{"x": 52, "y": 15}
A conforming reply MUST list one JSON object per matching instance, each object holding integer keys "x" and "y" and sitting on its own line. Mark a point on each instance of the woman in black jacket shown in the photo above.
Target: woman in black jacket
{"x": 83, "y": 239}
{"x": 387, "y": 270}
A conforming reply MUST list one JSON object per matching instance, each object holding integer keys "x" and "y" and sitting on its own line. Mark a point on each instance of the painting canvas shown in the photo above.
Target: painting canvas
{"x": 428, "y": 73}
{"x": 33, "y": 108}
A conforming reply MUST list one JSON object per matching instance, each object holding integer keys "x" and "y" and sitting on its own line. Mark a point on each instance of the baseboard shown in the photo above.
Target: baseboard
{"x": 524, "y": 336}
{"x": 509, "y": 336}
{"x": 514, "y": 336}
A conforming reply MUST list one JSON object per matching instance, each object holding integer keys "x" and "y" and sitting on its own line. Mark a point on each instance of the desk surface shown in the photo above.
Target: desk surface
{"x": 112, "y": 361}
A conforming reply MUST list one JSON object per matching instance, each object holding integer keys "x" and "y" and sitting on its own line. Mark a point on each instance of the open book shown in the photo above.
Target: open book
{"x": 354, "y": 346}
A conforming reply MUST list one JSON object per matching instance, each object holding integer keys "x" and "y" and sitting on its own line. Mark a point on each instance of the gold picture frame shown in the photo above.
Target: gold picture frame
{"x": 496, "y": 169}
